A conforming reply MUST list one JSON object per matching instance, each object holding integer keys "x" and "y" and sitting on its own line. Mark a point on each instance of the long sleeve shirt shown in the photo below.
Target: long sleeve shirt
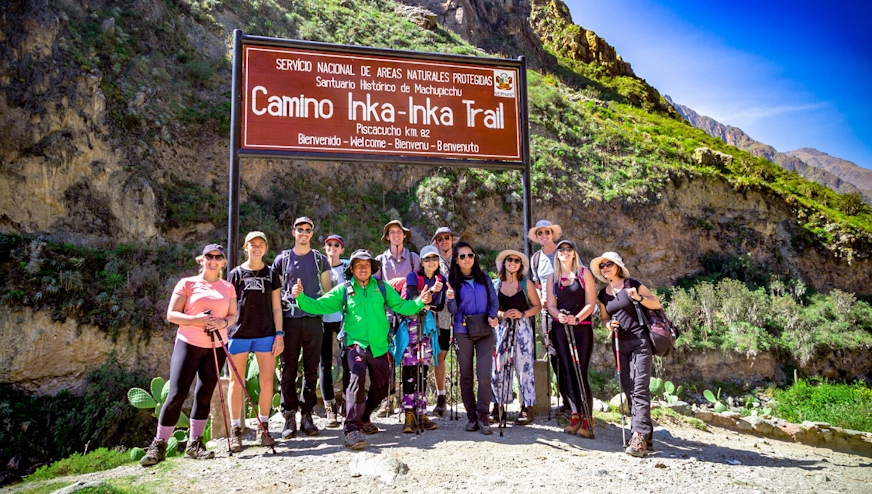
{"x": 475, "y": 298}
{"x": 366, "y": 321}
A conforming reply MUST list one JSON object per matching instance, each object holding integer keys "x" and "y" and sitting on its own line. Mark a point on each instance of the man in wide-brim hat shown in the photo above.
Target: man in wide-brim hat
{"x": 397, "y": 261}
{"x": 366, "y": 332}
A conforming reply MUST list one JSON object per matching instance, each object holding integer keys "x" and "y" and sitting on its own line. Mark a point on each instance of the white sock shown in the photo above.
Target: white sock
{"x": 263, "y": 418}
{"x": 235, "y": 422}
{"x": 440, "y": 392}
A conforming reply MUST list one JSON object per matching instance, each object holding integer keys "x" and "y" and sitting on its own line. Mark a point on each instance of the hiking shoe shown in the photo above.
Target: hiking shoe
{"x": 495, "y": 414}
{"x": 354, "y": 440}
{"x": 290, "y": 428}
{"x": 427, "y": 424}
{"x": 471, "y": 425}
{"x": 368, "y": 428}
{"x": 236, "y": 439}
{"x": 439, "y": 409}
{"x": 525, "y": 417}
{"x": 484, "y": 426}
{"x": 156, "y": 453}
{"x": 264, "y": 439}
{"x": 197, "y": 450}
{"x": 410, "y": 423}
{"x": 638, "y": 446}
{"x": 307, "y": 425}
{"x": 574, "y": 424}
{"x": 332, "y": 422}
{"x": 586, "y": 430}
{"x": 385, "y": 409}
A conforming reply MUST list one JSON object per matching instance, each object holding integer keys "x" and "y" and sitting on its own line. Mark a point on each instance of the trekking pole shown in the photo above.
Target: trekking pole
{"x": 272, "y": 442}
{"x": 620, "y": 382}
{"x": 547, "y": 358}
{"x": 573, "y": 351}
{"x": 220, "y": 389}
{"x": 453, "y": 345}
{"x": 501, "y": 392}
{"x": 419, "y": 375}
{"x": 508, "y": 369}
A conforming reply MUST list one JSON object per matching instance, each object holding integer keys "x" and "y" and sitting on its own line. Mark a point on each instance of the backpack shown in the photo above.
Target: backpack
{"x": 342, "y": 337}
{"x": 288, "y": 304}
{"x": 580, "y": 278}
{"x": 534, "y": 265}
{"x": 661, "y": 331}
{"x": 523, "y": 282}
{"x": 404, "y": 292}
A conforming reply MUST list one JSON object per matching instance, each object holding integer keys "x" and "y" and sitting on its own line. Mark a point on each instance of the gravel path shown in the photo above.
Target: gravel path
{"x": 534, "y": 458}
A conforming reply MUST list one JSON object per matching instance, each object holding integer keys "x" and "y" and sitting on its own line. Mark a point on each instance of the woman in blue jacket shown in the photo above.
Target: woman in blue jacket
{"x": 473, "y": 303}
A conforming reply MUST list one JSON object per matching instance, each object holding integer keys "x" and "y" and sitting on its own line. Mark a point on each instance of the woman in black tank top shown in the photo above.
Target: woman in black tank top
{"x": 571, "y": 304}
{"x": 518, "y": 302}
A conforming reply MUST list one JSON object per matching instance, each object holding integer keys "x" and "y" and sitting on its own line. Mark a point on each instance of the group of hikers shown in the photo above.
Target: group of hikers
{"x": 406, "y": 310}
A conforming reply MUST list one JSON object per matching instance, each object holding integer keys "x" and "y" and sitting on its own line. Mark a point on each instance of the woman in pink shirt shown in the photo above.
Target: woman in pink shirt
{"x": 199, "y": 305}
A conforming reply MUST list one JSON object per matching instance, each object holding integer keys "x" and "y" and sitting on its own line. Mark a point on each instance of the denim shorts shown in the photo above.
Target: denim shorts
{"x": 245, "y": 345}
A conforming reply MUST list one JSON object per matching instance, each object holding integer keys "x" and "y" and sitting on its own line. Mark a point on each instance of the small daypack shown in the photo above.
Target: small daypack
{"x": 661, "y": 331}
{"x": 288, "y": 302}
{"x": 523, "y": 284}
{"x": 342, "y": 337}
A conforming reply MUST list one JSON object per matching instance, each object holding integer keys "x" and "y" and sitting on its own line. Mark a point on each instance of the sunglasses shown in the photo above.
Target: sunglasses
{"x": 303, "y": 230}
{"x": 471, "y": 255}
{"x": 214, "y": 257}
{"x": 430, "y": 259}
{"x": 543, "y": 232}
{"x": 565, "y": 249}
{"x": 333, "y": 244}
{"x": 607, "y": 264}
{"x": 513, "y": 260}
{"x": 442, "y": 239}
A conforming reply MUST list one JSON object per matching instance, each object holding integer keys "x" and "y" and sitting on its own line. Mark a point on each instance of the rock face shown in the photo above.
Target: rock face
{"x": 710, "y": 157}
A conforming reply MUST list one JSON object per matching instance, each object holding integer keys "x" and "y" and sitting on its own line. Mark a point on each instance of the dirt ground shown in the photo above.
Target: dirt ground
{"x": 534, "y": 458}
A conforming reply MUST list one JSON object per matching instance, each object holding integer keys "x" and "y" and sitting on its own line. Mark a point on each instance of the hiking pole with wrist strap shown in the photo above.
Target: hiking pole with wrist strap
{"x": 272, "y": 442}
{"x": 220, "y": 389}
{"x": 620, "y": 381}
{"x": 511, "y": 330}
{"x": 419, "y": 374}
{"x": 576, "y": 363}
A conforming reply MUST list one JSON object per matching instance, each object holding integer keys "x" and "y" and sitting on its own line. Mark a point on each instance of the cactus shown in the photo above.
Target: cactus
{"x": 160, "y": 389}
{"x": 172, "y": 447}
{"x": 140, "y": 398}
{"x": 136, "y": 454}
{"x": 716, "y": 400}
{"x": 656, "y": 386}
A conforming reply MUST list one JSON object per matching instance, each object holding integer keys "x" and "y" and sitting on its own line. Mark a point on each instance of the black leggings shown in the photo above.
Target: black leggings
{"x": 583, "y": 334}
{"x": 188, "y": 362}
{"x": 410, "y": 379}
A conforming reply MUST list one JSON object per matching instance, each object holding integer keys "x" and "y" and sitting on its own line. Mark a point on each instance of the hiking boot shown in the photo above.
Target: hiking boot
{"x": 638, "y": 446}
{"x": 368, "y": 428}
{"x": 484, "y": 426}
{"x": 385, "y": 409}
{"x": 197, "y": 450}
{"x": 495, "y": 414}
{"x": 354, "y": 440}
{"x": 236, "y": 439}
{"x": 156, "y": 453}
{"x": 410, "y": 424}
{"x": 332, "y": 422}
{"x": 574, "y": 424}
{"x": 428, "y": 424}
{"x": 290, "y": 428}
{"x": 264, "y": 439}
{"x": 308, "y": 425}
{"x": 525, "y": 417}
{"x": 471, "y": 425}
{"x": 586, "y": 430}
{"x": 439, "y": 409}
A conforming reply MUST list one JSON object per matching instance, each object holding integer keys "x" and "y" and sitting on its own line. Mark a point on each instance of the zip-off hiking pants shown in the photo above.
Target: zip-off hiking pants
{"x": 637, "y": 359}
{"x": 483, "y": 351}
{"x": 301, "y": 334}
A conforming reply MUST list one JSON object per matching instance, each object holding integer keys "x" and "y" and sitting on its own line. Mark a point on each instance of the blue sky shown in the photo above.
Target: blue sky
{"x": 790, "y": 74}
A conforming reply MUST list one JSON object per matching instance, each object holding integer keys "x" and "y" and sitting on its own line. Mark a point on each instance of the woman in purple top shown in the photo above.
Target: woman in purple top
{"x": 472, "y": 300}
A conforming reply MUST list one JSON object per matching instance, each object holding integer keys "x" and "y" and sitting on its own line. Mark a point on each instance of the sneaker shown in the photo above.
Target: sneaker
{"x": 525, "y": 417}
{"x": 495, "y": 414}
{"x": 368, "y": 428}
{"x": 585, "y": 430}
{"x": 197, "y": 450}
{"x": 308, "y": 425}
{"x": 410, "y": 424}
{"x": 156, "y": 453}
{"x": 638, "y": 446}
{"x": 471, "y": 425}
{"x": 484, "y": 426}
{"x": 354, "y": 440}
{"x": 574, "y": 424}
{"x": 290, "y": 428}
{"x": 332, "y": 422}
{"x": 264, "y": 439}
{"x": 236, "y": 439}
{"x": 439, "y": 409}
{"x": 428, "y": 424}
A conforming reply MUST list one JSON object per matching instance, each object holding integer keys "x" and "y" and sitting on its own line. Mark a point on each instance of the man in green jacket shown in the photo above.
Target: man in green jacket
{"x": 366, "y": 329}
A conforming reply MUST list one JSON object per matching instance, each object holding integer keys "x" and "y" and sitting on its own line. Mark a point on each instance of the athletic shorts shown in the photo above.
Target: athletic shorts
{"x": 245, "y": 345}
{"x": 444, "y": 339}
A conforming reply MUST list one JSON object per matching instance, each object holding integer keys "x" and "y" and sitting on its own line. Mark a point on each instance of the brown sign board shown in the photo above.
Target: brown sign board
{"x": 309, "y": 99}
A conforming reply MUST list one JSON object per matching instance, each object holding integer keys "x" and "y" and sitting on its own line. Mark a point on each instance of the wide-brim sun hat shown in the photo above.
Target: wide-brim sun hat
{"x": 363, "y": 255}
{"x": 608, "y": 256}
{"x": 407, "y": 234}
{"x": 525, "y": 261}
{"x": 444, "y": 229}
{"x": 555, "y": 229}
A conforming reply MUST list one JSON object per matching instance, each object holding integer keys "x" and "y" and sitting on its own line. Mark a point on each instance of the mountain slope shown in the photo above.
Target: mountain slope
{"x": 844, "y": 169}
{"x": 735, "y": 136}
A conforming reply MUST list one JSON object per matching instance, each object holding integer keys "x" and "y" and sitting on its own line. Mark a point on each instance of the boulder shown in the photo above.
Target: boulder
{"x": 387, "y": 469}
{"x": 422, "y": 17}
{"x": 709, "y": 157}
{"x": 616, "y": 402}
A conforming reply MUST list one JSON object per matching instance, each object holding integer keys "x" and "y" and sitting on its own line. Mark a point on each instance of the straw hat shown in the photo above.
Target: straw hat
{"x": 525, "y": 262}
{"x": 544, "y": 224}
{"x": 608, "y": 256}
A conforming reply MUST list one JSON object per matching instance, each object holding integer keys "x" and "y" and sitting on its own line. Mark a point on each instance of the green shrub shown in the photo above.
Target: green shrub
{"x": 843, "y": 405}
{"x": 77, "y": 464}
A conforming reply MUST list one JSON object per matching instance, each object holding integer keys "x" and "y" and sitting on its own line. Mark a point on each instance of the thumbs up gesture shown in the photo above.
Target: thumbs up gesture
{"x": 450, "y": 292}
{"x": 437, "y": 286}
{"x": 297, "y": 289}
